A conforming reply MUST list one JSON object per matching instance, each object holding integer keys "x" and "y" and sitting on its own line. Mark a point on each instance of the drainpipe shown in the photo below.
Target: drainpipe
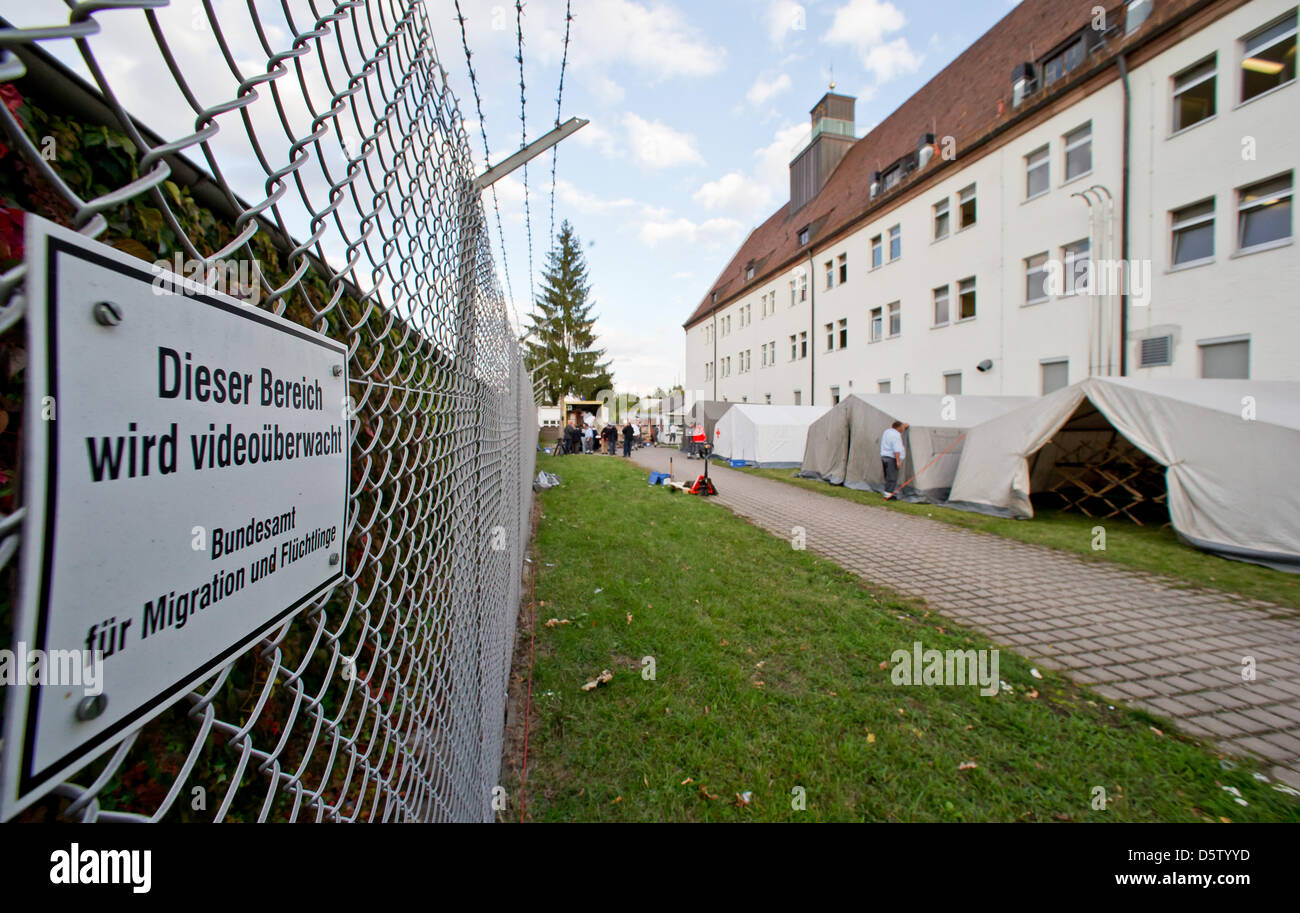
{"x": 1122, "y": 64}
{"x": 812, "y": 330}
{"x": 713, "y": 317}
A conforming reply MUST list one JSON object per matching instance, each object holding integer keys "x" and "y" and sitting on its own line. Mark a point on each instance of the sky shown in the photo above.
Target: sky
{"x": 695, "y": 109}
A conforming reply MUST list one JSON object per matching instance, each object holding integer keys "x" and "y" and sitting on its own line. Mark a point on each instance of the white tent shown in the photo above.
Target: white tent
{"x": 771, "y": 436}
{"x": 1228, "y": 448}
{"x": 844, "y": 446}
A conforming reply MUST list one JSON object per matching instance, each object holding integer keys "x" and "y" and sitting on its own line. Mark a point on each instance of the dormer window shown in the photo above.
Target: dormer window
{"x": 803, "y": 236}
{"x": 893, "y": 176}
{"x": 1063, "y": 61}
{"x": 749, "y": 274}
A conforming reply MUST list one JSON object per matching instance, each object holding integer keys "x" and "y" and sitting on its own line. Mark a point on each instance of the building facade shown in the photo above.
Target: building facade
{"x": 1121, "y": 205}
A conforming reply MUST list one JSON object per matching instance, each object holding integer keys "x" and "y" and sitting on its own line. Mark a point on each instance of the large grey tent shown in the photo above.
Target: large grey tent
{"x": 843, "y": 446}
{"x": 1226, "y": 450}
{"x": 706, "y": 412}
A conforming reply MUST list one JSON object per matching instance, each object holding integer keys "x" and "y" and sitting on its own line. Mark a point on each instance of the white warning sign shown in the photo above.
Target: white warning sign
{"x": 186, "y": 488}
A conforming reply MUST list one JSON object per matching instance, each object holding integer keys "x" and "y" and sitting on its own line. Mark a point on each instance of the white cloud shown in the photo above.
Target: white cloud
{"x": 866, "y": 27}
{"x": 655, "y": 145}
{"x": 659, "y": 41}
{"x": 605, "y": 90}
{"x": 712, "y": 232}
{"x": 783, "y": 17}
{"x": 893, "y": 59}
{"x": 734, "y": 192}
{"x": 764, "y": 90}
{"x": 772, "y": 168}
{"x": 594, "y": 135}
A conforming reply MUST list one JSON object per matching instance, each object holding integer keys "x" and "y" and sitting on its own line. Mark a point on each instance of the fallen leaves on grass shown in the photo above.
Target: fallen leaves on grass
{"x": 743, "y": 799}
{"x": 704, "y": 791}
{"x": 871, "y": 737}
{"x": 629, "y": 617}
{"x": 688, "y": 781}
{"x": 601, "y": 679}
{"x": 558, "y": 621}
{"x": 1032, "y": 694}
{"x": 967, "y": 765}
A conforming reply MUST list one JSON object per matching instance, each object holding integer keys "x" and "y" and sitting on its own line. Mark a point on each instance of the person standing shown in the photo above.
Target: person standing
{"x": 587, "y": 436}
{"x": 892, "y": 454}
{"x": 627, "y": 438}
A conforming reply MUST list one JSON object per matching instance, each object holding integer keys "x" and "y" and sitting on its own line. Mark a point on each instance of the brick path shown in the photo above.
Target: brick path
{"x": 1126, "y": 634}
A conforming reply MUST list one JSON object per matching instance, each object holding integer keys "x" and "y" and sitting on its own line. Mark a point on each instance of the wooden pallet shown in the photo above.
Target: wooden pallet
{"x": 1110, "y": 478}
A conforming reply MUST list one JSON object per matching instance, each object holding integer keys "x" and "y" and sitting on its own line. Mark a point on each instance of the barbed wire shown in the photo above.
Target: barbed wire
{"x": 487, "y": 159}
{"x": 523, "y": 141}
{"x": 559, "y": 104}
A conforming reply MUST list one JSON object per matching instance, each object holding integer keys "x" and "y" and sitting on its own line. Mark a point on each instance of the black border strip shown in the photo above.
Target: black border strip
{"x": 29, "y": 780}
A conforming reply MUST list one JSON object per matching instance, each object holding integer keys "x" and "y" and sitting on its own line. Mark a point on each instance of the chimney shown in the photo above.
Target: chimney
{"x": 830, "y": 139}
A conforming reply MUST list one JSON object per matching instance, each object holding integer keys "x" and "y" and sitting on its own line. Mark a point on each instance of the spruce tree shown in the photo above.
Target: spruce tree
{"x": 561, "y": 340}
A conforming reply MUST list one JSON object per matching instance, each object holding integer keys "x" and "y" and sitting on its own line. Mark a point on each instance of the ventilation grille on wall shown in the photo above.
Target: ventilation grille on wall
{"x": 1156, "y": 351}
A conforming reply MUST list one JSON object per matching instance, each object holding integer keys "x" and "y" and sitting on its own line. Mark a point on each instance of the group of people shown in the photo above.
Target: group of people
{"x": 587, "y": 439}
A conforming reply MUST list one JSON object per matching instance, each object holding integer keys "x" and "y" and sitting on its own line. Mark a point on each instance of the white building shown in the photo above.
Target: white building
{"x": 1121, "y": 205}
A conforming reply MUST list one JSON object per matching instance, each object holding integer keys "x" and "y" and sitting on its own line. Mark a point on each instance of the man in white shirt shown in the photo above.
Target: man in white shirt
{"x": 892, "y": 454}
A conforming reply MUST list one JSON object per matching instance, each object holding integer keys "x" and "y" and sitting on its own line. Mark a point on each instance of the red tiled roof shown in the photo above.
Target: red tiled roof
{"x": 961, "y": 101}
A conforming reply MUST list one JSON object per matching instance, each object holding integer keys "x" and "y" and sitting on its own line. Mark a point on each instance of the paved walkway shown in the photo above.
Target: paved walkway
{"x": 1126, "y": 634}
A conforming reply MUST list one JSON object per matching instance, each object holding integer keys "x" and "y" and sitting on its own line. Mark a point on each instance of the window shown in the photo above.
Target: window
{"x": 966, "y": 298}
{"x": 1036, "y": 278}
{"x": 1194, "y": 94}
{"x": 798, "y": 397}
{"x": 1225, "y": 358}
{"x": 830, "y": 337}
{"x": 1193, "y": 233}
{"x": 1078, "y": 152}
{"x": 1264, "y": 213}
{"x": 1055, "y": 374}
{"x": 830, "y": 274}
{"x": 952, "y": 383}
{"x": 835, "y": 396}
{"x": 762, "y": 355}
{"x": 844, "y": 268}
{"x": 844, "y": 333}
{"x": 1077, "y": 260}
{"x": 885, "y": 386}
{"x": 768, "y": 398}
{"x": 749, "y": 274}
{"x": 895, "y": 243}
{"x": 803, "y": 344}
{"x": 1063, "y": 61}
{"x": 793, "y": 293}
{"x": 895, "y": 319}
{"x": 803, "y": 287}
{"x": 877, "y": 324}
{"x": 966, "y": 208}
{"x": 941, "y": 219}
{"x": 1268, "y": 58}
{"x": 941, "y": 305}
{"x": 803, "y": 237}
{"x": 794, "y": 347}
{"x": 1038, "y": 165}
{"x": 892, "y": 177}
{"x": 876, "y": 249}
{"x": 1155, "y": 351}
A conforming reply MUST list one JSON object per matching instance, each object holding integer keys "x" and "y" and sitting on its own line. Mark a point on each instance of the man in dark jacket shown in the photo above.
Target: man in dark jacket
{"x": 627, "y": 439}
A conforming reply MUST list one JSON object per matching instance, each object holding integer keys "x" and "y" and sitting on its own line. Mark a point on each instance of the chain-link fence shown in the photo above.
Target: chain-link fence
{"x": 384, "y": 699}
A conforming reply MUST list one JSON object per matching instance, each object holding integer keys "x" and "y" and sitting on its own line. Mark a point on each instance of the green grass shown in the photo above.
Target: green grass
{"x": 722, "y": 606}
{"x": 1156, "y": 550}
